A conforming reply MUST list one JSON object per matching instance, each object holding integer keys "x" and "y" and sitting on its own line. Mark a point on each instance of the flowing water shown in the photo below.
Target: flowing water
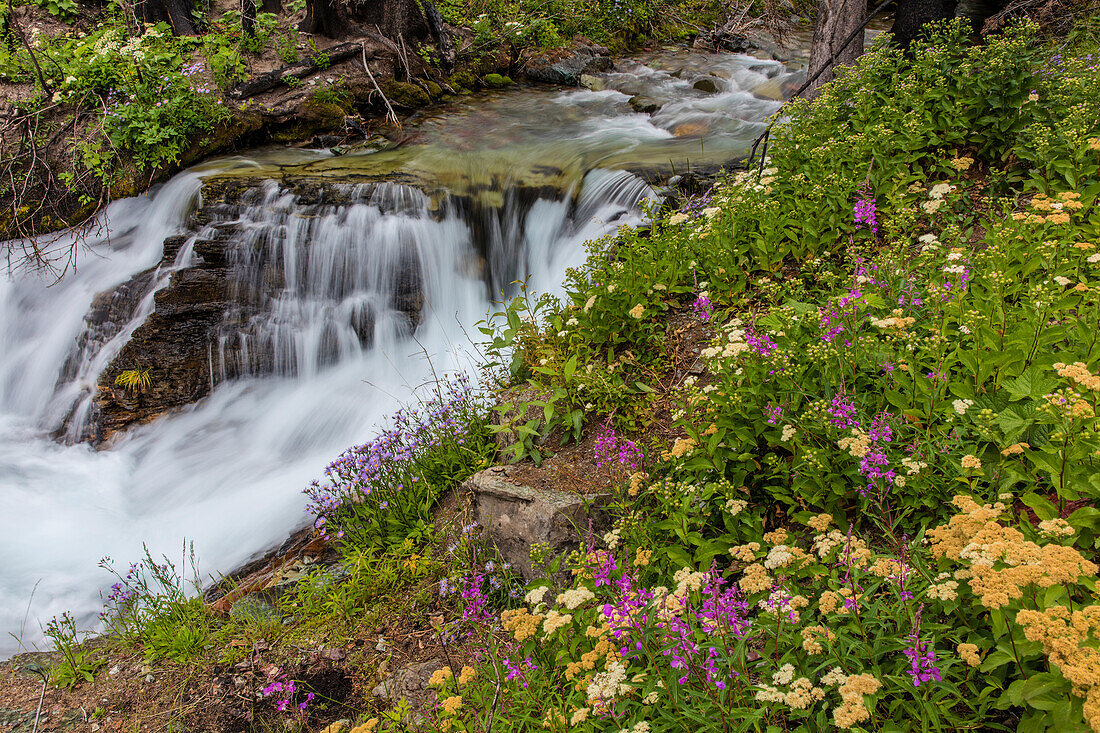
{"x": 337, "y": 312}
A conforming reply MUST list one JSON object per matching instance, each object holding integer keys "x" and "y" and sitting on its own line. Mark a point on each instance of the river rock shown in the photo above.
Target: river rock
{"x": 592, "y": 83}
{"x": 707, "y": 85}
{"x": 565, "y": 66}
{"x": 644, "y": 105}
{"x": 771, "y": 89}
{"x": 516, "y": 516}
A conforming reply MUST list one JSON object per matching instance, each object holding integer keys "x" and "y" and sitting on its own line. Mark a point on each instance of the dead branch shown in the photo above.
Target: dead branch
{"x": 279, "y": 77}
{"x": 392, "y": 116}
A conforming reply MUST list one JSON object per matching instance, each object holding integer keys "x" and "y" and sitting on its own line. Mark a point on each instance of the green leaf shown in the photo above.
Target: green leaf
{"x": 1042, "y": 506}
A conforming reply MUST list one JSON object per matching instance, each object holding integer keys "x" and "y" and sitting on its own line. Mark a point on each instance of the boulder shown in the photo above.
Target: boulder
{"x": 707, "y": 85}
{"x": 410, "y": 683}
{"x": 771, "y": 89}
{"x": 644, "y": 105}
{"x": 516, "y": 516}
{"x": 594, "y": 83}
{"x": 565, "y": 66}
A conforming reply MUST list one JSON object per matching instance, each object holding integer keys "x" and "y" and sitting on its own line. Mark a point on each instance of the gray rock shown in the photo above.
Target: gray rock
{"x": 410, "y": 683}
{"x": 516, "y": 517}
{"x": 568, "y": 69}
{"x": 254, "y": 608}
{"x": 594, "y": 83}
{"x": 644, "y": 105}
{"x": 707, "y": 84}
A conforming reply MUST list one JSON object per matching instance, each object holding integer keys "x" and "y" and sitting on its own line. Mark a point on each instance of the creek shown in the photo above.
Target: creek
{"x": 338, "y": 286}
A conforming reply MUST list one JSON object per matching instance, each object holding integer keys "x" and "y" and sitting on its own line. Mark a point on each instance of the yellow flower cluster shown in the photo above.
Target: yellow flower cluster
{"x": 1055, "y": 528}
{"x": 1079, "y": 375}
{"x": 637, "y": 311}
{"x": 969, "y": 654}
{"x": 451, "y": 704}
{"x": 812, "y": 636}
{"x": 745, "y": 553}
{"x": 778, "y": 536}
{"x": 820, "y": 523}
{"x": 468, "y": 674}
{"x": 588, "y": 659}
{"x": 851, "y": 709}
{"x": 944, "y": 588}
{"x": 555, "y": 621}
{"x": 970, "y": 462}
{"x": 974, "y": 535}
{"x": 642, "y": 557}
{"x": 440, "y": 676}
{"x": 636, "y": 481}
{"x": 962, "y": 163}
{"x": 367, "y": 727}
{"x": 681, "y": 448}
{"x": 857, "y": 445}
{"x": 755, "y": 579}
{"x": 522, "y": 623}
{"x": 574, "y": 597}
{"x": 1069, "y": 641}
{"x": 1069, "y": 404}
{"x": 1015, "y": 449}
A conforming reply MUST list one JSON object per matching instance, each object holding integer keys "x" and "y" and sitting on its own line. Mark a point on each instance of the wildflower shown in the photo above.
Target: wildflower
{"x": 574, "y": 597}
{"x": 703, "y": 307}
{"x": 1055, "y": 528}
{"x": 677, "y": 218}
{"x": 961, "y": 406}
{"x": 535, "y": 596}
{"x": 1014, "y": 450}
{"x": 451, "y": 704}
{"x": 468, "y": 674}
{"x": 821, "y": 522}
{"x": 971, "y": 462}
{"x": 637, "y": 311}
{"x": 962, "y": 164}
{"x": 789, "y": 432}
{"x": 865, "y": 211}
{"x": 581, "y": 714}
{"x": 440, "y": 676}
{"x": 969, "y": 654}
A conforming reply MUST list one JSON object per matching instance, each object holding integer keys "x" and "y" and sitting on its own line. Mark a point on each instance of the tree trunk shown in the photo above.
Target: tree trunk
{"x": 337, "y": 19}
{"x": 272, "y": 6}
{"x": 248, "y": 17}
{"x": 836, "y": 21}
{"x": 439, "y": 32}
{"x": 176, "y": 13}
{"x": 911, "y": 15}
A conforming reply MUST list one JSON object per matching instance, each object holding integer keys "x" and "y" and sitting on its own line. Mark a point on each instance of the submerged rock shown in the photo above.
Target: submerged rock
{"x": 593, "y": 83}
{"x": 644, "y": 105}
{"x": 707, "y": 85}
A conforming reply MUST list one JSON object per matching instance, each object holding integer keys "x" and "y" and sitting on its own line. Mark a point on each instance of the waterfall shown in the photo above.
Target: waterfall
{"x": 335, "y": 303}
{"x": 337, "y": 314}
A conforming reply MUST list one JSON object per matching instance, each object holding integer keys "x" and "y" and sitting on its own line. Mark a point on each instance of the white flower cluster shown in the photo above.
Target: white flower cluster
{"x": 574, "y": 597}
{"x": 961, "y": 406}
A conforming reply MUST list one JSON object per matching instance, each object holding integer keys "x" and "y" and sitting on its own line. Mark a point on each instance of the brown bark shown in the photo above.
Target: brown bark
{"x": 176, "y": 13}
{"x": 911, "y": 16}
{"x": 836, "y": 21}
{"x": 337, "y": 19}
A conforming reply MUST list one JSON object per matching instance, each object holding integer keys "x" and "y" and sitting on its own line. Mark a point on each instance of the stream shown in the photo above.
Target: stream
{"x": 349, "y": 281}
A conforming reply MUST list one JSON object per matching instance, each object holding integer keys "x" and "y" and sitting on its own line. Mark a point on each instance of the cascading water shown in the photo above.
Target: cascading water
{"x": 336, "y": 313}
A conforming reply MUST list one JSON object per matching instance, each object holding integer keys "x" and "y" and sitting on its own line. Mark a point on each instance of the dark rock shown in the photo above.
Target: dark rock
{"x": 721, "y": 41}
{"x": 566, "y": 66}
{"x": 644, "y": 105}
{"x": 708, "y": 85}
{"x": 516, "y": 517}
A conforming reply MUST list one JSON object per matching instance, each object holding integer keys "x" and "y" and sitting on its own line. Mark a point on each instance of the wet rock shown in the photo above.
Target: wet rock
{"x": 593, "y": 83}
{"x": 721, "y": 41}
{"x": 516, "y": 517}
{"x": 771, "y": 89}
{"x": 707, "y": 85}
{"x": 565, "y": 66}
{"x": 644, "y": 105}
{"x": 410, "y": 683}
{"x": 254, "y": 608}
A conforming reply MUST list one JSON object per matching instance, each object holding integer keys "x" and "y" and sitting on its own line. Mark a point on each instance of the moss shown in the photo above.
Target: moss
{"x": 496, "y": 81}
{"x": 434, "y": 90}
{"x": 321, "y": 114}
{"x": 464, "y": 79}
{"x": 405, "y": 95}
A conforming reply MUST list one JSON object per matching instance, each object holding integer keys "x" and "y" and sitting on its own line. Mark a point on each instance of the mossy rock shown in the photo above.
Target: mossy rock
{"x": 434, "y": 90}
{"x": 323, "y": 115}
{"x": 464, "y": 79}
{"x": 496, "y": 81}
{"x": 405, "y": 95}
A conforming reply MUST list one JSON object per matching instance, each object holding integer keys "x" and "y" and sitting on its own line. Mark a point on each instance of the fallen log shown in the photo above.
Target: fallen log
{"x": 300, "y": 70}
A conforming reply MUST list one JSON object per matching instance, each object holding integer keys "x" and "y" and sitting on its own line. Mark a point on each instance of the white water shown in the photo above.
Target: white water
{"x": 227, "y": 473}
